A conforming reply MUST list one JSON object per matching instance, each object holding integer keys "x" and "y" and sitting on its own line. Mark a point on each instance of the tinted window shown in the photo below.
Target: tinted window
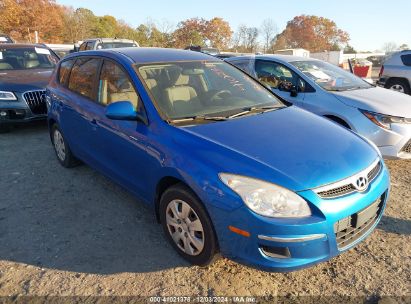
{"x": 26, "y": 58}
{"x": 406, "y": 59}
{"x": 83, "y": 76}
{"x": 114, "y": 85}
{"x": 64, "y": 71}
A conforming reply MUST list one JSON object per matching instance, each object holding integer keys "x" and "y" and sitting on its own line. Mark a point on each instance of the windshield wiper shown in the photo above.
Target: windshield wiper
{"x": 255, "y": 109}
{"x": 244, "y": 111}
{"x": 198, "y": 117}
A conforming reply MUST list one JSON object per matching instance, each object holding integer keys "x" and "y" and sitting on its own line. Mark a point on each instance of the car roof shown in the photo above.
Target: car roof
{"x": 278, "y": 57}
{"x": 22, "y": 45}
{"x": 151, "y": 55}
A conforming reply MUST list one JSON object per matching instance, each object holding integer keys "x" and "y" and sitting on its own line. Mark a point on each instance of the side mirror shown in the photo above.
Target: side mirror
{"x": 293, "y": 91}
{"x": 122, "y": 110}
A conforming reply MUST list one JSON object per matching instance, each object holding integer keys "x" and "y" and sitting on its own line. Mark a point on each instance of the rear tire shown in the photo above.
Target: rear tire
{"x": 398, "y": 85}
{"x": 62, "y": 149}
{"x": 187, "y": 225}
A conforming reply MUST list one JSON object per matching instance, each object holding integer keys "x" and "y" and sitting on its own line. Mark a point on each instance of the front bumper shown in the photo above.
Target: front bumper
{"x": 397, "y": 140}
{"x": 290, "y": 244}
{"x": 391, "y": 143}
{"x": 15, "y": 116}
{"x": 14, "y": 112}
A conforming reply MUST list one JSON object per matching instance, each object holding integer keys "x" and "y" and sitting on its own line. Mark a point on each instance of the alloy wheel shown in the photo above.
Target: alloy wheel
{"x": 398, "y": 88}
{"x": 59, "y": 145}
{"x": 185, "y": 227}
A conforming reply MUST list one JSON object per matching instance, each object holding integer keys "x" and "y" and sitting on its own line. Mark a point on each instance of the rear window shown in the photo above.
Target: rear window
{"x": 115, "y": 45}
{"x": 64, "y": 71}
{"x": 83, "y": 76}
{"x": 406, "y": 59}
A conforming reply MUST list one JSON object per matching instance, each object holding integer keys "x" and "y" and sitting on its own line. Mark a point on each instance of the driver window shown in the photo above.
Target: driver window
{"x": 83, "y": 46}
{"x": 278, "y": 76}
{"x": 275, "y": 75}
{"x": 114, "y": 85}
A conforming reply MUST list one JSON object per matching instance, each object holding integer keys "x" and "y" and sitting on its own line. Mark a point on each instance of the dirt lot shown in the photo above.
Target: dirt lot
{"x": 74, "y": 232}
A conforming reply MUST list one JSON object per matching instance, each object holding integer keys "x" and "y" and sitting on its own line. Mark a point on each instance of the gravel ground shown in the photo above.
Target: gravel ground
{"x": 74, "y": 232}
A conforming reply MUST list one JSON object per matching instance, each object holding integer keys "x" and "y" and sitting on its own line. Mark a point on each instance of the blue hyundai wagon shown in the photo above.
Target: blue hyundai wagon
{"x": 226, "y": 165}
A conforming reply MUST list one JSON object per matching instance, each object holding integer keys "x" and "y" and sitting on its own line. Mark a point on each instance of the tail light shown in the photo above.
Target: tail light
{"x": 381, "y": 71}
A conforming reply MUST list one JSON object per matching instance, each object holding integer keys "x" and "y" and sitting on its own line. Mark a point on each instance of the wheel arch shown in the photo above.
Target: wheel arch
{"x": 338, "y": 120}
{"x": 163, "y": 184}
{"x": 393, "y": 79}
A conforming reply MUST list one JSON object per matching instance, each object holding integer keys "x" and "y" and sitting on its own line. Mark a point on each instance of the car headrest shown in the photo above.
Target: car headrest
{"x": 5, "y": 66}
{"x": 32, "y": 56}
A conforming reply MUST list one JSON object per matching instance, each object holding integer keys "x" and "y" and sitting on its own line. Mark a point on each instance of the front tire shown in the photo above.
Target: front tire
{"x": 187, "y": 225}
{"x": 63, "y": 152}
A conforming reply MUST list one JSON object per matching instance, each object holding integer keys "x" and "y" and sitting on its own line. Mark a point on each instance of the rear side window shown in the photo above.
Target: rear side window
{"x": 64, "y": 71}
{"x": 406, "y": 59}
{"x": 83, "y": 76}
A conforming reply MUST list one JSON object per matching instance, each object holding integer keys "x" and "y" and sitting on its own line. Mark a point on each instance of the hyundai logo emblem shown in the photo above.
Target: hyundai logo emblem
{"x": 361, "y": 183}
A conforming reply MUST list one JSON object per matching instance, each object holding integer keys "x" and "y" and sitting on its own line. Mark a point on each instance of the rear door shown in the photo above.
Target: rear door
{"x": 80, "y": 107}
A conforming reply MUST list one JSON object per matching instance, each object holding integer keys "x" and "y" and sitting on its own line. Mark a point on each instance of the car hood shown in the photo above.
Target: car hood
{"x": 377, "y": 100}
{"x": 24, "y": 80}
{"x": 289, "y": 147}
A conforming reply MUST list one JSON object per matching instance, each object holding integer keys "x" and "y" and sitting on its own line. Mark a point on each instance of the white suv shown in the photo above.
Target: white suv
{"x": 395, "y": 73}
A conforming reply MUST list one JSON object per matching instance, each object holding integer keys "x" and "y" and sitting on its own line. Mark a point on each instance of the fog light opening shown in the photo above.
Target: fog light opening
{"x": 276, "y": 252}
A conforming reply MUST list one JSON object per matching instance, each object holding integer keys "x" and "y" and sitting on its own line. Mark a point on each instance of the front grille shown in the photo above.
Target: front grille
{"x": 374, "y": 172}
{"x": 353, "y": 227}
{"x": 407, "y": 147}
{"x": 340, "y": 191}
{"x": 36, "y": 101}
{"x": 347, "y": 186}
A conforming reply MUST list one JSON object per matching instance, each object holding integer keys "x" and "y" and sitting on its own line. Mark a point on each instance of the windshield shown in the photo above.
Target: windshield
{"x": 26, "y": 58}
{"x": 330, "y": 77}
{"x": 115, "y": 45}
{"x": 211, "y": 89}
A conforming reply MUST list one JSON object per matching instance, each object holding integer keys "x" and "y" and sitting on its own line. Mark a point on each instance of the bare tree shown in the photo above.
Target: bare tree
{"x": 390, "y": 47}
{"x": 268, "y": 30}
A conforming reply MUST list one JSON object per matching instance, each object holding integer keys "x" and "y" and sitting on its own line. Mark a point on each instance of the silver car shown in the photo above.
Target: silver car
{"x": 382, "y": 116}
{"x": 395, "y": 73}
{"x": 106, "y": 43}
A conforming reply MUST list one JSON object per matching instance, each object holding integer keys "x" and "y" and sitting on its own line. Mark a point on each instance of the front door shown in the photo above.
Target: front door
{"x": 122, "y": 144}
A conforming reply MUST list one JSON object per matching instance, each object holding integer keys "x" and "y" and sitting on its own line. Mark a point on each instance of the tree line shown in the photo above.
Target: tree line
{"x": 56, "y": 23}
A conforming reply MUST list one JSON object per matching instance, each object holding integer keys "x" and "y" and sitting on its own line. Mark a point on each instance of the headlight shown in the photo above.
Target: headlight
{"x": 385, "y": 121}
{"x": 265, "y": 198}
{"x": 4, "y": 95}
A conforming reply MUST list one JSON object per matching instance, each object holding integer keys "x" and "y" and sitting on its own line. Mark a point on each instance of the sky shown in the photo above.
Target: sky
{"x": 369, "y": 23}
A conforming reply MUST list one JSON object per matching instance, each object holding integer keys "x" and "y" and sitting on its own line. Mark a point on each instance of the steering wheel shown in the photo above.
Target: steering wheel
{"x": 220, "y": 94}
